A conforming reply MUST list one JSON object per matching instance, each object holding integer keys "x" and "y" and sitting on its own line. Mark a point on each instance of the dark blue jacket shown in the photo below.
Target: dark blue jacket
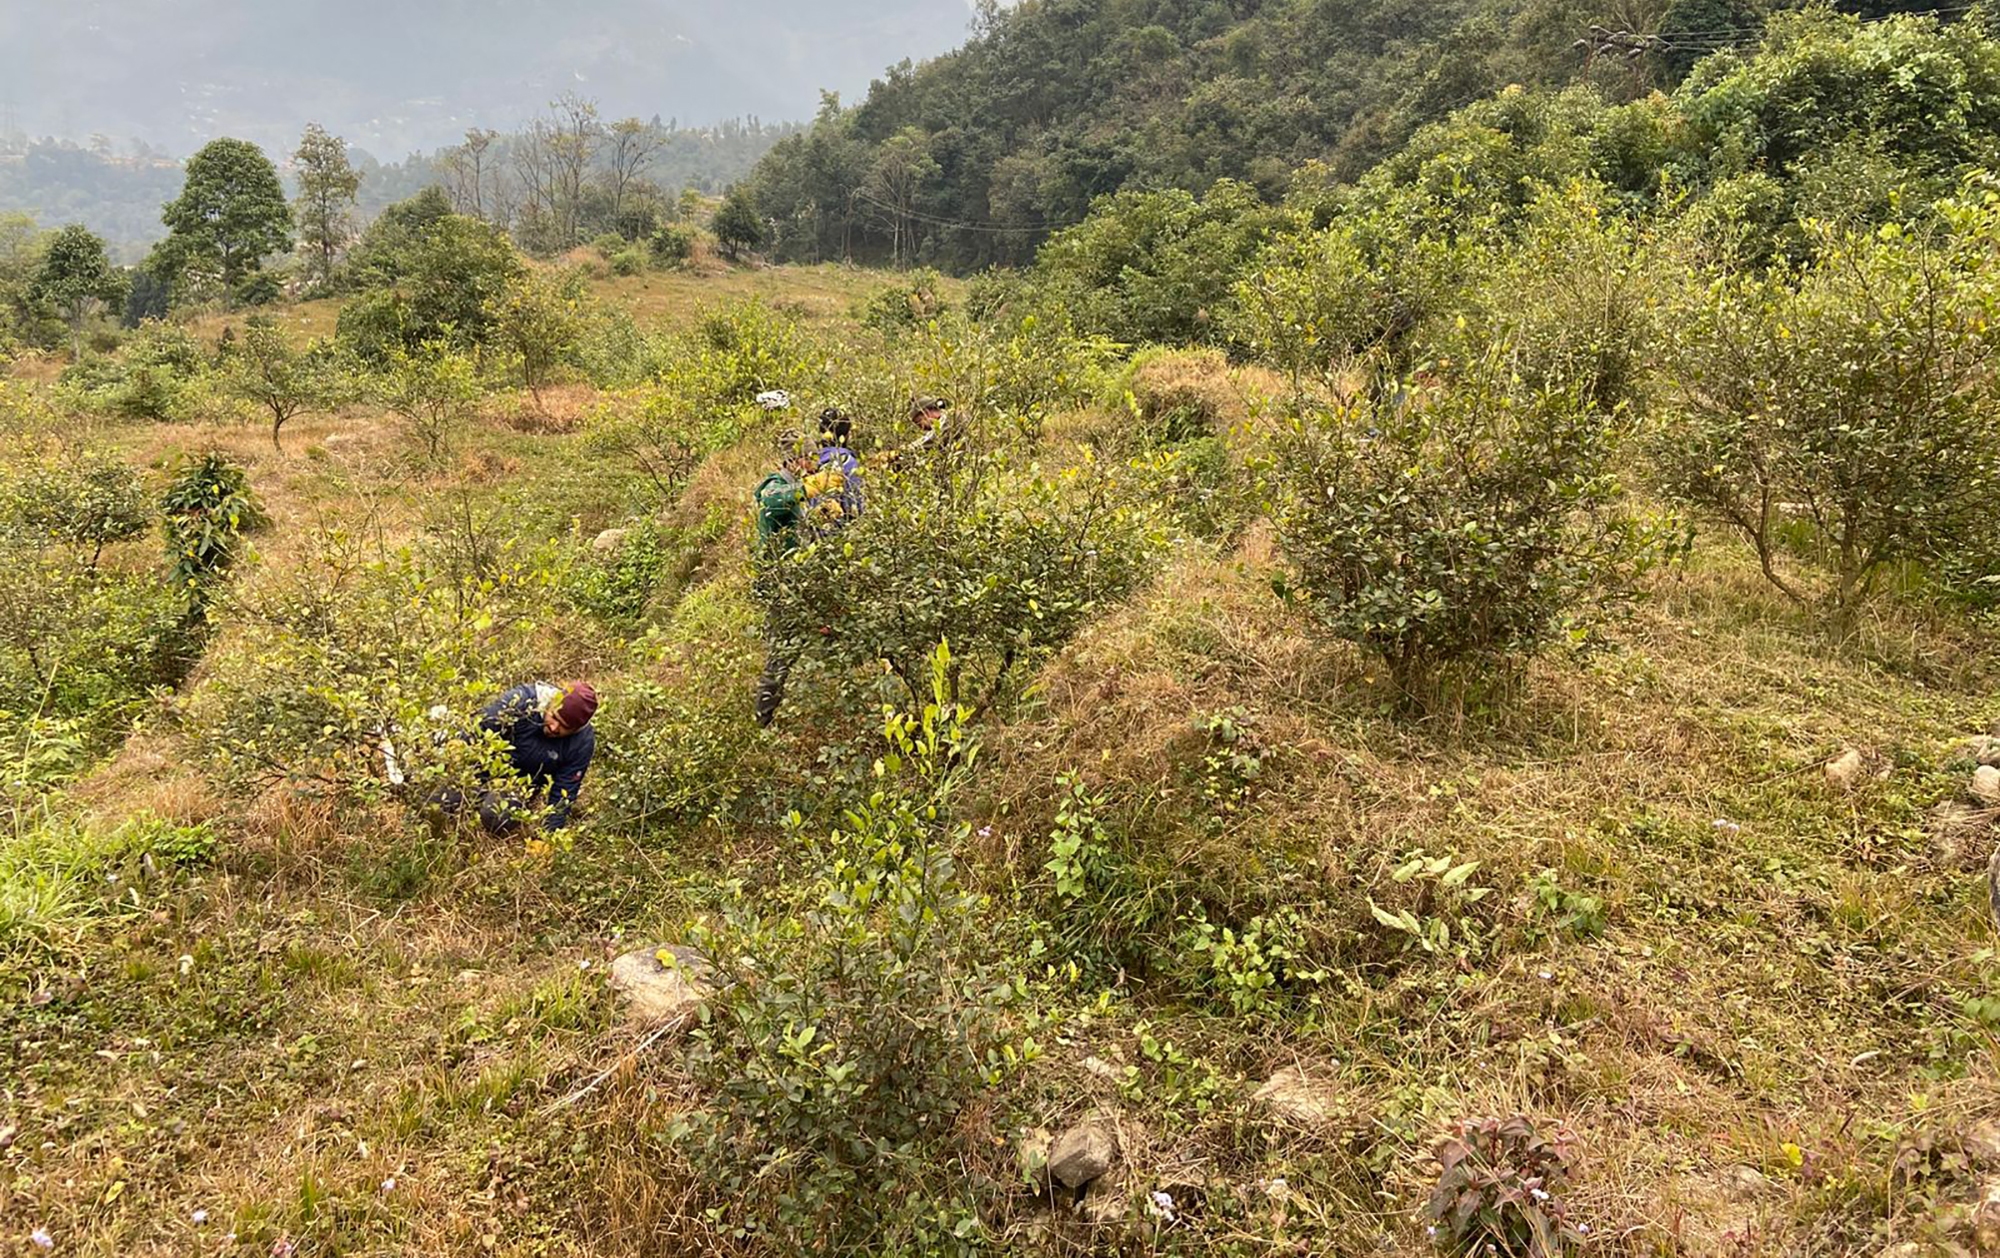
{"x": 554, "y": 765}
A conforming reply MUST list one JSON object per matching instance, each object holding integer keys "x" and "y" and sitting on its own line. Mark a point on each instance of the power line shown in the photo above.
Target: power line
{"x": 934, "y": 221}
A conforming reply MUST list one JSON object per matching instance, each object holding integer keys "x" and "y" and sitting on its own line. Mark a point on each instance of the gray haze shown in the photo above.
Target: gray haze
{"x": 396, "y": 75}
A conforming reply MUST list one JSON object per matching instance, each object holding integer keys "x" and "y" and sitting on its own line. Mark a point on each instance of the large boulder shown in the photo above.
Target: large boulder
{"x": 609, "y": 540}
{"x": 1083, "y": 1153}
{"x": 660, "y": 984}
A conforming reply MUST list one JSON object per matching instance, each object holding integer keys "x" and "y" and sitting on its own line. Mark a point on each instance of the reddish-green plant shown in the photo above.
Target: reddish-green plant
{"x": 1500, "y": 1185}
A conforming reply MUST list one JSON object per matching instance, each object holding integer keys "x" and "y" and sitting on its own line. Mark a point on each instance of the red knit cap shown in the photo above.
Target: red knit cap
{"x": 578, "y": 704}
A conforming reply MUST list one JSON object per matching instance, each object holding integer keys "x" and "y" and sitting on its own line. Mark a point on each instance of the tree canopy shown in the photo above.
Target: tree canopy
{"x": 230, "y": 216}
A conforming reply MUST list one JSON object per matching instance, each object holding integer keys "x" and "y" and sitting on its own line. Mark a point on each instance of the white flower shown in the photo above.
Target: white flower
{"x": 199, "y": 1217}
{"x": 1583, "y": 1228}
{"x": 389, "y": 1184}
{"x": 1544, "y": 975}
{"x": 583, "y": 965}
{"x": 1538, "y": 1194}
{"x": 42, "y": 1238}
{"x": 1725, "y": 825}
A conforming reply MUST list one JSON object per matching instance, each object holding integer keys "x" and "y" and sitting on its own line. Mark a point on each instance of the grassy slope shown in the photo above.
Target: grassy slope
{"x": 276, "y": 1040}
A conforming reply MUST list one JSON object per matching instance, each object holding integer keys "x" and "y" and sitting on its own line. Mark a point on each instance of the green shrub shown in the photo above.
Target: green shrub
{"x": 909, "y": 302}
{"x": 1364, "y": 288}
{"x": 609, "y": 244}
{"x": 1464, "y": 523}
{"x": 829, "y": 1127}
{"x": 281, "y": 382}
{"x": 649, "y": 562}
{"x": 84, "y": 644}
{"x": 1155, "y": 266}
{"x": 436, "y": 277}
{"x": 673, "y": 244}
{"x": 160, "y": 376}
{"x": 1004, "y": 563}
{"x": 434, "y": 391}
{"x": 1258, "y": 968}
{"x": 1571, "y": 299}
{"x": 1836, "y": 415}
{"x": 628, "y": 262}
{"x": 538, "y": 322}
{"x": 683, "y": 748}
{"x": 79, "y": 499}
{"x": 79, "y": 641}
{"x": 356, "y": 643}
{"x": 208, "y": 508}
{"x": 1198, "y": 485}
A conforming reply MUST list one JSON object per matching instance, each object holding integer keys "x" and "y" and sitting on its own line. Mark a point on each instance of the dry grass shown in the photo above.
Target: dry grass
{"x": 1778, "y": 961}
{"x": 339, "y": 1003}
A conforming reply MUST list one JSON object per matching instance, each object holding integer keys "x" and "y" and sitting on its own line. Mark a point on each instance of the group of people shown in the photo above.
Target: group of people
{"x": 817, "y": 489}
{"x": 546, "y": 728}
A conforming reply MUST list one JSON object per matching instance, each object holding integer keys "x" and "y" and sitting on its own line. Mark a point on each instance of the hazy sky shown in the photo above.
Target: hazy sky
{"x": 393, "y": 75}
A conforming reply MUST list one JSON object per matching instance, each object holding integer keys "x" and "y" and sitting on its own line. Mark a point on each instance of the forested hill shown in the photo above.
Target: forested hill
{"x": 971, "y": 158}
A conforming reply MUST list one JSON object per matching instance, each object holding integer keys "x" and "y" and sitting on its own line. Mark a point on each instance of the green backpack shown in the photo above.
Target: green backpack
{"x": 780, "y": 507}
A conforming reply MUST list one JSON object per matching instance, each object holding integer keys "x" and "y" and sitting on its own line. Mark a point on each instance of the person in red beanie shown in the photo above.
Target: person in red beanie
{"x": 549, "y": 743}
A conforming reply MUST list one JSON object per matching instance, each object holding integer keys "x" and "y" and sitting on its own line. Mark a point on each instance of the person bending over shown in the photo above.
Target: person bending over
{"x": 549, "y": 741}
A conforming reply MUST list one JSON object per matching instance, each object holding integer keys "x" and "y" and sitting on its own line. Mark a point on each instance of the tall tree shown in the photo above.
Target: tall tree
{"x": 327, "y": 189}
{"x": 76, "y": 277}
{"x": 903, "y": 168}
{"x": 629, "y": 148}
{"x": 573, "y": 140}
{"x": 230, "y": 216}
{"x": 467, "y": 167}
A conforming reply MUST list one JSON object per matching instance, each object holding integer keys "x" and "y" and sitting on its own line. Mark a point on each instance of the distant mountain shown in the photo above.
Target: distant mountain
{"x": 397, "y": 75}
{"x": 118, "y": 193}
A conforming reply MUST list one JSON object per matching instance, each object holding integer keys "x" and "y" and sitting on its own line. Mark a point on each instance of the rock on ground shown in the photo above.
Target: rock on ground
{"x": 1843, "y": 772}
{"x": 1744, "y": 1183}
{"x": 1293, "y": 1096}
{"x": 1982, "y": 750}
{"x": 654, "y": 991}
{"x": 1986, "y": 785}
{"x": 1107, "y": 1200}
{"x": 1083, "y": 1153}
{"x": 608, "y": 540}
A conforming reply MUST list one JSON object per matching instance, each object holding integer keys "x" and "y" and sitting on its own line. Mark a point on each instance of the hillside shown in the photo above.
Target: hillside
{"x": 1454, "y": 713}
{"x": 971, "y": 158}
